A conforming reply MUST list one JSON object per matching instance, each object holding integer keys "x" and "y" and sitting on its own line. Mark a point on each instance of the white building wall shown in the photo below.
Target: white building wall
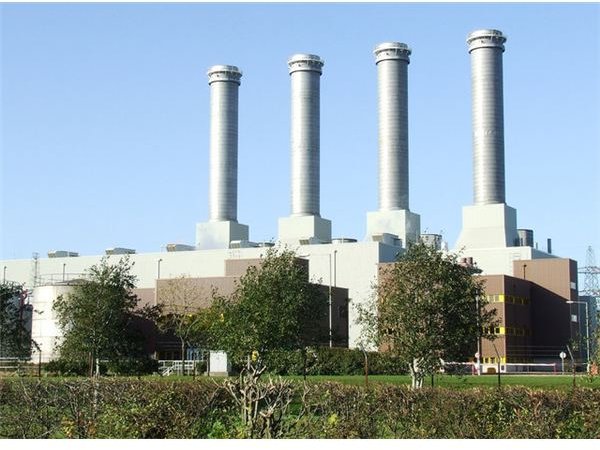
{"x": 353, "y": 266}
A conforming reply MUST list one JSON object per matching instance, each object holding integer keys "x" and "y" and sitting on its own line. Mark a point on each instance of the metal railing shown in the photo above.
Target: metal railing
{"x": 176, "y": 367}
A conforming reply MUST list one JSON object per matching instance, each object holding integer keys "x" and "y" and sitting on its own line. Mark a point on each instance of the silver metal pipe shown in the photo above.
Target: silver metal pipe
{"x": 392, "y": 59}
{"x": 305, "y": 72}
{"x": 224, "y": 84}
{"x": 486, "y": 48}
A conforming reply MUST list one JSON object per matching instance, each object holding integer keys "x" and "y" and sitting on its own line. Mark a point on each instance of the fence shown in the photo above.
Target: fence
{"x": 177, "y": 367}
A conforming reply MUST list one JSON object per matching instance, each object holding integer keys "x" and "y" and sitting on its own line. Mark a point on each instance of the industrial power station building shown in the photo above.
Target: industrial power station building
{"x": 530, "y": 288}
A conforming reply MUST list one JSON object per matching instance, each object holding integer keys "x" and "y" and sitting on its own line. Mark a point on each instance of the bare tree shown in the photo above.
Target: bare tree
{"x": 184, "y": 306}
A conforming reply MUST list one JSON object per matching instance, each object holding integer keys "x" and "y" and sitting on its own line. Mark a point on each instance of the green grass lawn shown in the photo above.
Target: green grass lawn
{"x": 450, "y": 381}
{"x": 459, "y": 382}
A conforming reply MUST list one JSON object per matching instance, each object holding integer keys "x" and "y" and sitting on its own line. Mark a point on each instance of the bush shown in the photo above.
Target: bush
{"x": 69, "y": 367}
{"x": 130, "y": 408}
{"x": 132, "y": 366}
{"x": 329, "y": 361}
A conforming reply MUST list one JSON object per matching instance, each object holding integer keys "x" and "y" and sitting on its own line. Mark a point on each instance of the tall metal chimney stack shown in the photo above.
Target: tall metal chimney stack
{"x": 224, "y": 82}
{"x": 305, "y": 72}
{"x": 222, "y": 227}
{"x": 486, "y": 48}
{"x": 489, "y": 223}
{"x": 305, "y": 223}
{"x": 392, "y": 59}
{"x": 393, "y": 223}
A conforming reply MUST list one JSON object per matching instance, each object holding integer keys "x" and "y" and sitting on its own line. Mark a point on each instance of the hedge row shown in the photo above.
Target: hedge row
{"x": 329, "y": 361}
{"x": 319, "y": 361}
{"x": 81, "y": 408}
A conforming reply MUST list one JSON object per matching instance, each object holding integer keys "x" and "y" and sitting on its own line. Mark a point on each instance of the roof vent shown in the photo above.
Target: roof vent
{"x": 343, "y": 240}
{"x": 62, "y": 254}
{"x": 180, "y": 248}
{"x": 119, "y": 251}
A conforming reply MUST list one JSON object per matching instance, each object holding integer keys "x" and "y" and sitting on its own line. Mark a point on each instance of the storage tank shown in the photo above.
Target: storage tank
{"x": 44, "y": 326}
{"x": 525, "y": 237}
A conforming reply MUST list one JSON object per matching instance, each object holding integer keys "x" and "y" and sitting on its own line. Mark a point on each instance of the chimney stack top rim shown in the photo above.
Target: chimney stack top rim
{"x": 223, "y": 72}
{"x": 305, "y": 62}
{"x": 486, "y": 38}
{"x": 392, "y": 50}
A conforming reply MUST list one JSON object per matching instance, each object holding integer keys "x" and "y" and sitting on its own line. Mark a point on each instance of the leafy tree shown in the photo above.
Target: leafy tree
{"x": 428, "y": 308}
{"x": 97, "y": 317}
{"x": 183, "y": 311}
{"x": 274, "y": 307}
{"x": 15, "y": 336}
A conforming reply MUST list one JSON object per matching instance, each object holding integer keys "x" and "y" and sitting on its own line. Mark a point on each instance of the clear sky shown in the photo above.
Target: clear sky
{"x": 105, "y": 118}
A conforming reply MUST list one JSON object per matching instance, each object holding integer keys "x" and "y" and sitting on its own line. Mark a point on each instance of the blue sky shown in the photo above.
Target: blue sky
{"x": 105, "y": 118}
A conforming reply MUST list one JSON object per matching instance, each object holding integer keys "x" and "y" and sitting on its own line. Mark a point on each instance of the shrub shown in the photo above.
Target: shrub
{"x": 69, "y": 367}
{"x": 132, "y": 366}
{"x": 130, "y": 408}
{"x": 329, "y": 361}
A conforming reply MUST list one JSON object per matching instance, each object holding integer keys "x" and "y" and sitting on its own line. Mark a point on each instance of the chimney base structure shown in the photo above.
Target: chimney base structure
{"x": 303, "y": 230}
{"x": 405, "y": 225}
{"x": 213, "y": 235}
{"x": 488, "y": 226}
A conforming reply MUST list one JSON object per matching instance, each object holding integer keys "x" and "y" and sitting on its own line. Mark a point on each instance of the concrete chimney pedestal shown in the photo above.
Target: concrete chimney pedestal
{"x": 304, "y": 230}
{"x": 402, "y": 223}
{"x": 488, "y": 226}
{"x": 219, "y": 234}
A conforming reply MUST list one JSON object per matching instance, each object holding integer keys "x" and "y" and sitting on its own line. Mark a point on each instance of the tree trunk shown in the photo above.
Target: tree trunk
{"x": 366, "y": 368}
{"x": 416, "y": 374}
{"x": 208, "y": 363}
{"x": 182, "y": 357}
{"x": 304, "y": 364}
{"x": 91, "y": 364}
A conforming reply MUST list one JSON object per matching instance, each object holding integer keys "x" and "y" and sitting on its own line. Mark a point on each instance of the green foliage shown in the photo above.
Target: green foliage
{"x": 15, "y": 339}
{"x": 328, "y": 361}
{"x": 125, "y": 408}
{"x": 143, "y": 365}
{"x": 274, "y": 307}
{"x": 426, "y": 311}
{"x": 69, "y": 367}
{"x": 97, "y": 319}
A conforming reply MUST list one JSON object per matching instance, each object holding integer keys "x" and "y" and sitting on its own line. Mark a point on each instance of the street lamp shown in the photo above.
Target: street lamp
{"x": 4, "y": 275}
{"x": 329, "y": 294}
{"x": 158, "y": 269}
{"x": 478, "y": 354}
{"x": 587, "y": 332}
{"x": 64, "y": 267}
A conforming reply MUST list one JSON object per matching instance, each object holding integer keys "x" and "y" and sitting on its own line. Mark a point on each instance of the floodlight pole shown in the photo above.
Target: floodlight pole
{"x": 587, "y": 332}
{"x": 329, "y": 291}
{"x": 478, "y": 336}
